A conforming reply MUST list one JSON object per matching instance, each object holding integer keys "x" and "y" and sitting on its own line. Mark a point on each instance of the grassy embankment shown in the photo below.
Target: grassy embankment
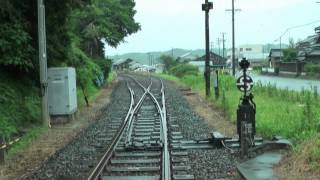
{"x": 20, "y": 108}
{"x": 291, "y": 114}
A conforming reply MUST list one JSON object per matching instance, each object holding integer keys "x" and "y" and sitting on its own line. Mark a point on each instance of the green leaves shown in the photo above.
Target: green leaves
{"x": 290, "y": 55}
{"x": 110, "y": 20}
{"x": 15, "y": 46}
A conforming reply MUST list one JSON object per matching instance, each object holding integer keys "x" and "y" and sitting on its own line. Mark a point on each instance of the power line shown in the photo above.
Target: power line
{"x": 298, "y": 26}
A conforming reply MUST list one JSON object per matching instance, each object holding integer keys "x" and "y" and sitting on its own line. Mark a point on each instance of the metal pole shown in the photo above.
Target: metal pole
{"x": 223, "y": 45}
{"x": 43, "y": 63}
{"x": 233, "y": 43}
{"x": 219, "y": 41}
{"x": 280, "y": 49}
{"x": 211, "y": 47}
{"x": 206, "y": 7}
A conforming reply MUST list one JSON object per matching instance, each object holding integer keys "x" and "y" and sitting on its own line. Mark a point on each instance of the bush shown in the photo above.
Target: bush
{"x": 181, "y": 70}
{"x": 289, "y": 55}
{"x": 19, "y": 103}
{"x": 312, "y": 69}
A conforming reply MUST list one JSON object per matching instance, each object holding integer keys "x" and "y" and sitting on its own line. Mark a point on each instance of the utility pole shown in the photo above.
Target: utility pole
{"x": 219, "y": 42}
{"x": 233, "y": 39}
{"x": 43, "y": 62}
{"x": 152, "y": 58}
{"x": 223, "y": 45}
{"x": 206, "y": 7}
{"x": 212, "y": 47}
{"x": 149, "y": 59}
{"x": 280, "y": 49}
{"x": 233, "y": 43}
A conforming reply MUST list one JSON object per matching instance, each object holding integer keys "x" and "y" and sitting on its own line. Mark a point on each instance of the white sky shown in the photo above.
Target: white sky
{"x": 167, "y": 24}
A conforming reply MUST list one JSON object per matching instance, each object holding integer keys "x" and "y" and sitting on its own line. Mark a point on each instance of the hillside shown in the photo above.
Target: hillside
{"x": 144, "y": 57}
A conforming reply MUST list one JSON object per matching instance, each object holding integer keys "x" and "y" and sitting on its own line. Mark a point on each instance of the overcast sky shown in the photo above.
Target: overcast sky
{"x": 167, "y": 24}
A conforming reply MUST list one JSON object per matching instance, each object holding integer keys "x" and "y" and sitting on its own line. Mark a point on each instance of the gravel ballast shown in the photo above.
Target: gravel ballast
{"x": 79, "y": 157}
{"x": 205, "y": 164}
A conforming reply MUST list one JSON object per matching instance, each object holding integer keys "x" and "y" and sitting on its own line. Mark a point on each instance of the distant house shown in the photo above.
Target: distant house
{"x": 278, "y": 66}
{"x": 215, "y": 61}
{"x": 275, "y": 56}
{"x": 134, "y": 65}
{"x": 122, "y": 64}
{"x": 189, "y": 56}
{"x": 309, "y": 48}
{"x": 145, "y": 68}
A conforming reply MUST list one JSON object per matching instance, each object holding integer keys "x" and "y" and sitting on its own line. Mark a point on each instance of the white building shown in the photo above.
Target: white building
{"x": 253, "y": 52}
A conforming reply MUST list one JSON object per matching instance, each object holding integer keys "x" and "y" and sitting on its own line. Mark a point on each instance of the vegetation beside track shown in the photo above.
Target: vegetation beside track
{"x": 33, "y": 128}
{"x": 291, "y": 114}
{"x": 77, "y": 32}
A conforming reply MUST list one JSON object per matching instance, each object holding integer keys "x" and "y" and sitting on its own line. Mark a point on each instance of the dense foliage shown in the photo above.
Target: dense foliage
{"x": 77, "y": 31}
{"x": 176, "y": 68}
{"x": 183, "y": 69}
{"x": 312, "y": 70}
{"x": 168, "y": 62}
{"x": 289, "y": 55}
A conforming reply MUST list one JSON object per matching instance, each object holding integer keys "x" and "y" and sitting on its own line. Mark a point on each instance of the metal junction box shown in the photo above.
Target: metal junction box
{"x": 62, "y": 91}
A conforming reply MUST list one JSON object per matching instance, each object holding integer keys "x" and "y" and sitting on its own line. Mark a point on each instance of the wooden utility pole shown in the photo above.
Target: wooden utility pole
{"x": 223, "y": 45}
{"x": 233, "y": 39}
{"x": 206, "y": 7}
{"x": 233, "y": 43}
{"x": 212, "y": 47}
{"x": 43, "y": 63}
{"x": 219, "y": 42}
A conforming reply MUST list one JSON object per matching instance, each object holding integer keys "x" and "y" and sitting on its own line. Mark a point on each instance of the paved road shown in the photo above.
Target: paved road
{"x": 290, "y": 83}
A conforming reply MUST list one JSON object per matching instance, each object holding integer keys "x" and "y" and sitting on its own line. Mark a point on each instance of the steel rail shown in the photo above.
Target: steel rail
{"x": 157, "y": 105}
{"x": 98, "y": 170}
{"x": 166, "y": 165}
{"x": 166, "y": 152}
{"x": 136, "y": 108}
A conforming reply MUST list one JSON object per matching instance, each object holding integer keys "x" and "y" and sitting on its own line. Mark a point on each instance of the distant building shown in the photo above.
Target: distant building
{"x": 274, "y": 57}
{"x": 309, "y": 48}
{"x": 145, "y": 68}
{"x": 122, "y": 64}
{"x": 256, "y": 54}
{"x": 189, "y": 56}
{"x": 215, "y": 60}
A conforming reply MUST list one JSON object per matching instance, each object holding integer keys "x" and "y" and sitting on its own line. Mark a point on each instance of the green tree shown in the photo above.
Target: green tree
{"x": 104, "y": 21}
{"x": 168, "y": 62}
{"x": 289, "y": 55}
{"x": 183, "y": 69}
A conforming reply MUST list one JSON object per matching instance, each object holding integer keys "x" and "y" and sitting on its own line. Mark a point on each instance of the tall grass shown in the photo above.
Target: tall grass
{"x": 282, "y": 112}
{"x": 291, "y": 114}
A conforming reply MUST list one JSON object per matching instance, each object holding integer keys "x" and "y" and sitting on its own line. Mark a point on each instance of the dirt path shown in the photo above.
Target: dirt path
{"x": 31, "y": 158}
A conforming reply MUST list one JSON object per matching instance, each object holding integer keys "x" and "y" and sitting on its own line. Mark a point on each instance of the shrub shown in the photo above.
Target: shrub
{"x": 181, "y": 70}
{"x": 312, "y": 69}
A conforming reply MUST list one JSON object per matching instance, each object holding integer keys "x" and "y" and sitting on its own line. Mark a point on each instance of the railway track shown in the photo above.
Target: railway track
{"x": 145, "y": 147}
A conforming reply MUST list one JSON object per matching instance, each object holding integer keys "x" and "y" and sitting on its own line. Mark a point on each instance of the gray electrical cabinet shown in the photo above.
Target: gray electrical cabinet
{"x": 62, "y": 91}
